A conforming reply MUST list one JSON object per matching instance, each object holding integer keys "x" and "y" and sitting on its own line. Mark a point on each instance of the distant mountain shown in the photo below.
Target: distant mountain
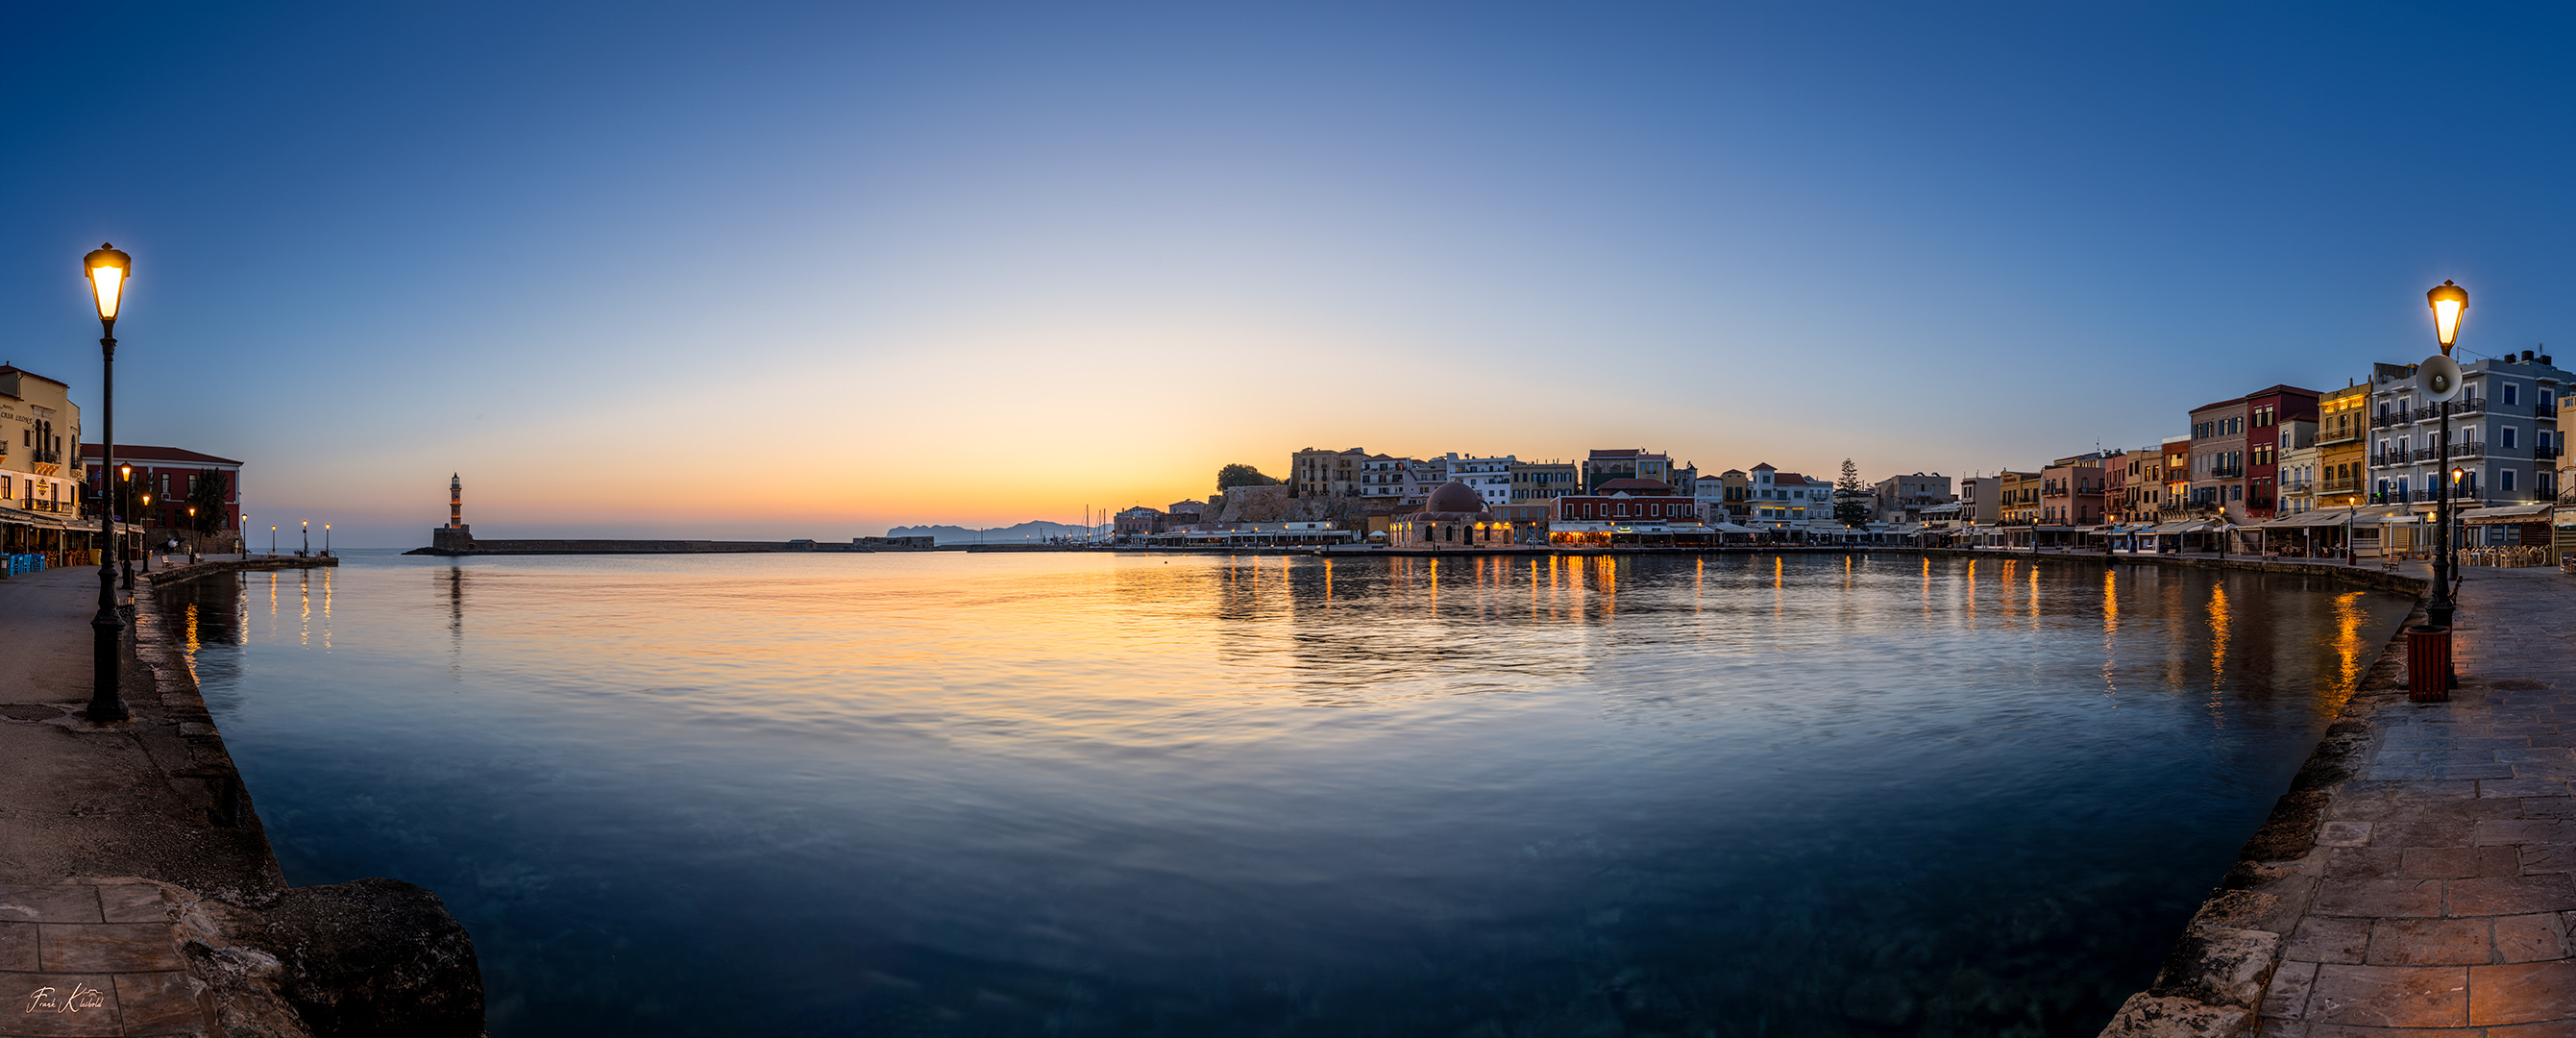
{"x": 1031, "y": 532}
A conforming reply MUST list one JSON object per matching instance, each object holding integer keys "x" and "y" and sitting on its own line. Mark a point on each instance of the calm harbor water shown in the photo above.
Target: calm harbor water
{"x": 1076, "y": 794}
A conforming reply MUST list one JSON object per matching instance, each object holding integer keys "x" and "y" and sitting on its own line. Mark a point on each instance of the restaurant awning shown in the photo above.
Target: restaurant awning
{"x": 2531, "y": 513}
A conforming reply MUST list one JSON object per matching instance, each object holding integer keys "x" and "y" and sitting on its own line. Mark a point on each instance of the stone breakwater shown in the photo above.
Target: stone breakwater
{"x": 138, "y": 891}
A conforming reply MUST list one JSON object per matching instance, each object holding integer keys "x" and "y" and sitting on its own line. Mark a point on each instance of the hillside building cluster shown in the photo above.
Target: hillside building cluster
{"x": 2281, "y": 469}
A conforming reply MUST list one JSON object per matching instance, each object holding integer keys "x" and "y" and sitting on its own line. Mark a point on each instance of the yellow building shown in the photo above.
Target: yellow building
{"x": 40, "y": 468}
{"x": 2343, "y": 440}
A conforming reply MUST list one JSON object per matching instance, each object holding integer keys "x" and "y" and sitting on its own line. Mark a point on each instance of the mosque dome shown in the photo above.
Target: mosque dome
{"x": 1454, "y": 496}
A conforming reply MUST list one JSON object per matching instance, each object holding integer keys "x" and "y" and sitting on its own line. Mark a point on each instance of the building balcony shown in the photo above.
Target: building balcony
{"x": 2226, "y": 472}
{"x": 39, "y": 505}
{"x": 2424, "y": 453}
{"x": 2339, "y": 486}
{"x": 2469, "y": 450}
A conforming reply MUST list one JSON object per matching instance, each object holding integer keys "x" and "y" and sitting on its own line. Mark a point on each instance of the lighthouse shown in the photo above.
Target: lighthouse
{"x": 455, "y": 538}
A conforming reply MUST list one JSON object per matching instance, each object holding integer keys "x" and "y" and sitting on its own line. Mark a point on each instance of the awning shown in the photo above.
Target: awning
{"x": 2532, "y": 513}
{"x": 2336, "y": 517}
{"x": 1731, "y": 528}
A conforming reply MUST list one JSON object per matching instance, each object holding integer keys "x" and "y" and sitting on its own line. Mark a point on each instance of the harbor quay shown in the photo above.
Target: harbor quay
{"x": 138, "y": 891}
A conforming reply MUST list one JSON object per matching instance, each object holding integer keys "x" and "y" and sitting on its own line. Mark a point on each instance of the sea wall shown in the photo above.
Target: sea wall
{"x": 367, "y": 957}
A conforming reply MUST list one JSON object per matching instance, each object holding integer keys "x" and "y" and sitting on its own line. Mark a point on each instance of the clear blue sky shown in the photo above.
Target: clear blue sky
{"x": 783, "y": 271}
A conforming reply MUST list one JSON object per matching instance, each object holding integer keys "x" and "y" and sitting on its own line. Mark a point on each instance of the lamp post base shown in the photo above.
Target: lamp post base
{"x": 107, "y": 646}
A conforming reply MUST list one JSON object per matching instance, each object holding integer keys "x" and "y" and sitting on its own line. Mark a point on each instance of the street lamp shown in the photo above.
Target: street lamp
{"x": 192, "y": 534}
{"x": 124, "y": 493}
{"x": 326, "y": 539}
{"x": 147, "y": 549}
{"x": 107, "y": 267}
{"x": 2448, "y": 302}
{"x": 272, "y": 540}
{"x": 308, "y": 540}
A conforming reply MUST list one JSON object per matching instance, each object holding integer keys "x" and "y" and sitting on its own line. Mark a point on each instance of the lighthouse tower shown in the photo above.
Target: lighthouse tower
{"x": 455, "y": 538}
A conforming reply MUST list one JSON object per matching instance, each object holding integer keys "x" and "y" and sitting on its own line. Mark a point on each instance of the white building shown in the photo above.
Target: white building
{"x": 1787, "y": 497}
{"x": 1490, "y": 478}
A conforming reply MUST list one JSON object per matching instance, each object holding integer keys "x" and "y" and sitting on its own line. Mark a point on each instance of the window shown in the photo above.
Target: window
{"x": 2512, "y": 395}
{"x": 2506, "y": 435}
{"x": 2548, "y": 399}
{"x": 2504, "y": 480}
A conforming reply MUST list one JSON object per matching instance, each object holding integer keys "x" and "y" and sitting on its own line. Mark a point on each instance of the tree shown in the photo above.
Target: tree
{"x": 1851, "y": 499}
{"x": 213, "y": 489}
{"x": 1242, "y": 475}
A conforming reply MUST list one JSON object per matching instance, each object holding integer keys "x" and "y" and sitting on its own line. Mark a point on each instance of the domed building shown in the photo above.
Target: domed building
{"x": 1454, "y": 516}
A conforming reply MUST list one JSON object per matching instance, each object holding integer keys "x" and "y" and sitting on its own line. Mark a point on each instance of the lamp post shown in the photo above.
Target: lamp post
{"x": 147, "y": 549}
{"x": 192, "y": 534}
{"x": 272, "y": 539}
{"x": 307, "y": 549}
{"x": 326, "y": 539}
{"x": 124, "y": 493}
{"x": 106, "y": 268}
{"x": 2447, "y": 301}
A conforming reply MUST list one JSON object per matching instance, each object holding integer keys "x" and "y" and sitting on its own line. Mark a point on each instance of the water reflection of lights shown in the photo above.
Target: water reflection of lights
{"x": 2110, "y": 631}
{"x": 2217, "y": 638}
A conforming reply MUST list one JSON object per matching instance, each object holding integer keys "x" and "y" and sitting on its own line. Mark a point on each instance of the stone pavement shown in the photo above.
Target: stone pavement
{"x": 93, "y": 959}
{"x": 2443, "y": 894}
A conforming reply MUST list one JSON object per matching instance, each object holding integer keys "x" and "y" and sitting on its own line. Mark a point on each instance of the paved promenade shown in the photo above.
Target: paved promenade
{"x": 81, "y": 954}
{"x": 2442, "y": 892}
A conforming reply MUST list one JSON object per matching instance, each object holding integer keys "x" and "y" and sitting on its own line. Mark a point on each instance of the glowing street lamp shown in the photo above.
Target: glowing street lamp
{"x": 147, "y": 549}
{"x": 308, "y": 540}
{"x": 192, "y": 534}
{"x": 326, "y": 539}
{"x": 107, "y": 269}
{"x": 2448, "y": 301}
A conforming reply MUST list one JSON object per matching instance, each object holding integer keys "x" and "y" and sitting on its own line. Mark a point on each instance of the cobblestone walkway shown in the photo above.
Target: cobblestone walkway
{"x": 93, "y": 959}
{"x": 2445, "y": 897}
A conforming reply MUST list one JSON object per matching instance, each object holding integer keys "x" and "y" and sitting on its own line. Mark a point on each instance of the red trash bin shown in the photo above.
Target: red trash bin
{"x": 2428, "y": 664}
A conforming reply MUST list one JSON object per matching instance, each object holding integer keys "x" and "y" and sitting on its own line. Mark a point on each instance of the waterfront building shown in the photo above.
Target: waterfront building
{"x": 1538, "y": 482}
{"x": 2298, "y": 459}
{"x": 1627, "y": 511}
{"x": 177, "y": 478}
{"x": 1453, "y": 516}
{"x": 1490, "y": 478}
{"x": 1383, "y": 478}
{"x": 1325, "y": 473}
{"x": 40, "y": 471}
{"x": 2236, "y": 450}
{"x": 1139, "y": 521}
{"x": 2072, "y": 490}
{"x": 2343, "y": 447}
{"x": 1710, "y": 492}
{"x": 1981, "y": 500}
{"x": 2020, "y": 498}
{"x": 1738, "y": 493}
{"x": 38, "y": 422}
{"x": 2142, "y": 484}
{"x": 1602, "y": 466}
{"x": 2504, "y": 433}
{"x": 1778, "y": 497}
{"x": 1902, "y": 499}
{"x": 1184, "y": 513}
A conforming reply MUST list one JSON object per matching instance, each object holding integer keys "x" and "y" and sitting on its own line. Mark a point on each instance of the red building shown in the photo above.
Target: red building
{"x": 1635, "y": 500}
{"x": 2236, "y": 449}
{"x": 176, "y": 479}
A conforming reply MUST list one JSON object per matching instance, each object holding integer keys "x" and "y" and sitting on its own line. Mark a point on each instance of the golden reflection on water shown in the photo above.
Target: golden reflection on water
{"x": 2110, "y": 630}
{"x": 192, "y": 627}
{"x": 2217, "y": 638}
{"x": 2349, "y": 644}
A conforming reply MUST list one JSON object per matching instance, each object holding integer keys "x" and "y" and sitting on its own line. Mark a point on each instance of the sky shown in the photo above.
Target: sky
{"x": 773, "y": 271}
